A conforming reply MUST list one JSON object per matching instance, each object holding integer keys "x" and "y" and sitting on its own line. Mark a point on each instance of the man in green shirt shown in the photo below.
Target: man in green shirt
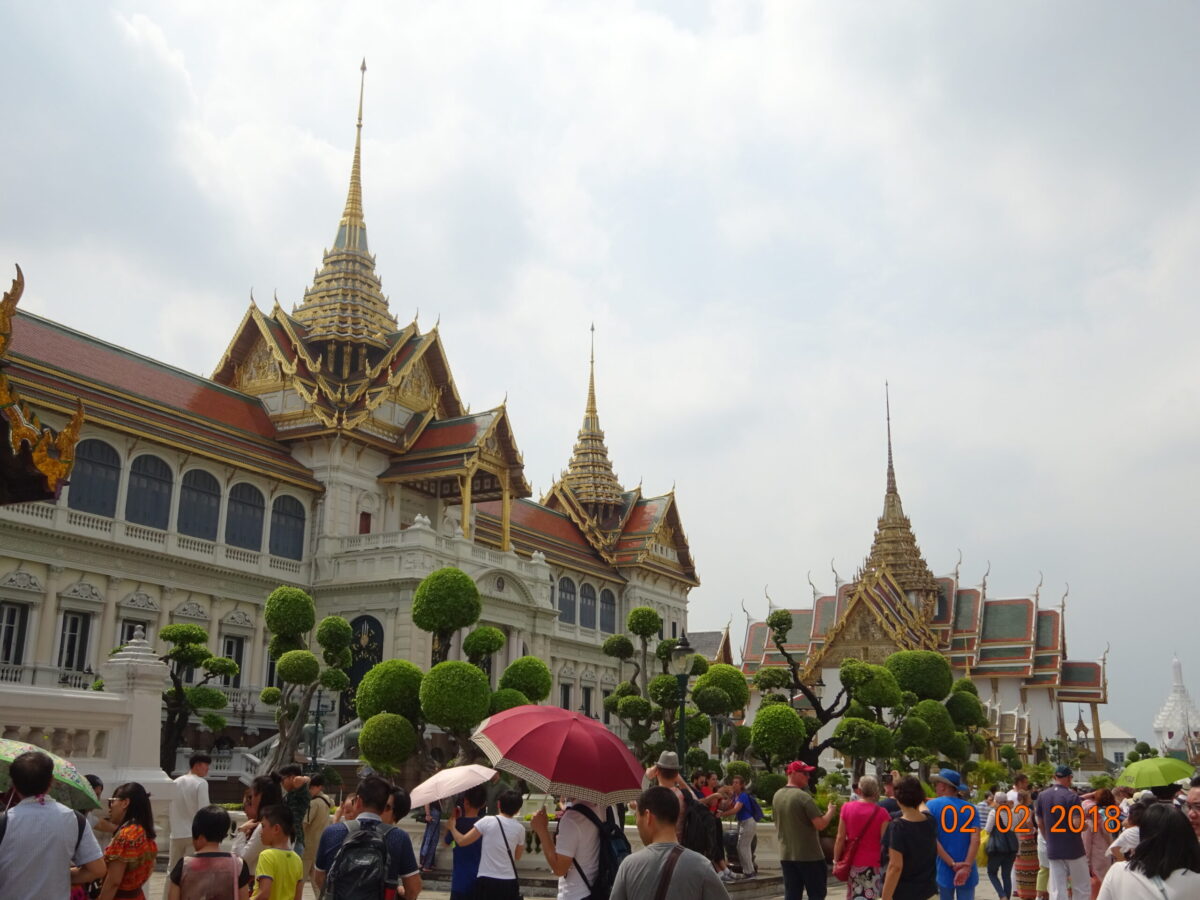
{"x": 798, "y": 824}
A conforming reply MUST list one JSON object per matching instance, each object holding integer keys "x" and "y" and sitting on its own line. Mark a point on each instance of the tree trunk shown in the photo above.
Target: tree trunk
{"x": 176, "y": 722}
{"x": 645, "y": 668}
{"x": 291, "y": 731}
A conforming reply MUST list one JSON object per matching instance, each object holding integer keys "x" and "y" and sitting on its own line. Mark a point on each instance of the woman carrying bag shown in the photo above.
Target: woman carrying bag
{"x": 858, "y": 845}
{"x": 503, "y": 842}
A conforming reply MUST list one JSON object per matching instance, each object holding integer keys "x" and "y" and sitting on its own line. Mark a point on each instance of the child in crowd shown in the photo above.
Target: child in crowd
{"x": 280, "y": 871}
{"x": 210, "y": 874}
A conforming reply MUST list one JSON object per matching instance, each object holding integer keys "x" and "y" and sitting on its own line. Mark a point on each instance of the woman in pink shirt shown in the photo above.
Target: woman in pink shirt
{"x": 860, "y": 830}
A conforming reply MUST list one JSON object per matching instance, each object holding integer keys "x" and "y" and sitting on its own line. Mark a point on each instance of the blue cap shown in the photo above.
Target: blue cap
{"x": 949, "y": 776}
{"x": 1063, "y": 772}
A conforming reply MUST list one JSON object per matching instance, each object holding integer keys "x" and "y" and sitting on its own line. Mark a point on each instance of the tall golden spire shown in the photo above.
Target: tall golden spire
{"x": 346, "y": 298}
{"x": 895, "y": 544}
{"x": 590, "y": 473}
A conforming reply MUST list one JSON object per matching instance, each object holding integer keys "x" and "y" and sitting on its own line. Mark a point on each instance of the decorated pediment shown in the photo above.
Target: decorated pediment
{"x": 21, "y": 581}
{"x": 191, "y": 609}
{"x": 82, "y": 590}
{"x": 140, "y": 600}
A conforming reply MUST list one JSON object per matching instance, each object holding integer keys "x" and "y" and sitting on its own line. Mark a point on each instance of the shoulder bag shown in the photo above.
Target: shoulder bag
{"x": 664, "y": 878}
{"x": 841, "y": 868}
{"x": 511, "y": 858}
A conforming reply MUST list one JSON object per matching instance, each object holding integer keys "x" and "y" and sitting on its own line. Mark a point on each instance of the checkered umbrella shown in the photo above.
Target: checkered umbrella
{"x": 68, "y": 787}
{"x": 562, "y": 753}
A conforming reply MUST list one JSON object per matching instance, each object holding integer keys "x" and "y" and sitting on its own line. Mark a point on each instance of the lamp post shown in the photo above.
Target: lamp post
{"x": 681, "y": 668}
{"x": 314, "y": 729}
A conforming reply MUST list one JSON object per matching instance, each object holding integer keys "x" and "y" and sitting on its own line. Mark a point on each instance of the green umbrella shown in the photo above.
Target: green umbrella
{"x": 68, "y": 787}
{"x": 1155, "y": 771}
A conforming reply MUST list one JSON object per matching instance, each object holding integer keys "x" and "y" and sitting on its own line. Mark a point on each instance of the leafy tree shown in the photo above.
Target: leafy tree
{"x": 620, "y": 647}
{"x": 1132, "y": 756}
{"x": 289, "y": 614}
{"x": 924, "y": 672}
{"x": 770, "y": 679}
{"x": 392, "y": 686}
{"x": 482, "y": 643}
{"x": 506, "y": 698}
{"x": 189, "y": 650}
{"x": 1010, "y": 757}
{"x": 1144, "y": 750}
{"x": 738, "y": 767}
{"x": 766, "y": 784}
{"x": 445, "y": 601}
{"x": 530, "y": 676}
{"x": 663, "y": 653}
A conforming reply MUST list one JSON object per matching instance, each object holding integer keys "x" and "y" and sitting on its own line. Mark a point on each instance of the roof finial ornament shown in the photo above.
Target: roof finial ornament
{"x": 837, "y": 579}
{"x": 986, "y": 573}
{"x": 1062, "y": 604}
{"x": 813, "y": 586}
{"x": 749, "y": 618}
{"x": 1037, "y": 591}
{"x": 957, "y": 566}
{"x": 891, "y": 471}
{"x": 770, "y": 602}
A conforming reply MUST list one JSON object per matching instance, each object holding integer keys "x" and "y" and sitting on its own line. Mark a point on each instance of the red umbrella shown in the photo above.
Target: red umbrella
{"x": 562, "y": 753}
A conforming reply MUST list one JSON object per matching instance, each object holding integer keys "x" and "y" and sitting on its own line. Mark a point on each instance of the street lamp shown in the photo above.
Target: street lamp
{"x": 314, "y": 729}
{"x": 681, "y": 668}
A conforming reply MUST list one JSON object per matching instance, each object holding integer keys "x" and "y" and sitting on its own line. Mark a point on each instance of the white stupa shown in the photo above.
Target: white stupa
{"x": 1177, "y": 725}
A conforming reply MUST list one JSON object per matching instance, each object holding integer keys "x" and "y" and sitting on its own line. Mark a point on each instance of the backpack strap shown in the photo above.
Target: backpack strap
{"x": 82, "y": 825}
{"x": 591, "y": 817}
{"x": 664, "y": 878}
{"x": 3, "y": 824}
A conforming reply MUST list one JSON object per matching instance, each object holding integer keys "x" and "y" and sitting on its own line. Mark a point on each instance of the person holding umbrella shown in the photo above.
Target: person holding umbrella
{"x": 503, "y": 843}
{"x": 47, "y": 847}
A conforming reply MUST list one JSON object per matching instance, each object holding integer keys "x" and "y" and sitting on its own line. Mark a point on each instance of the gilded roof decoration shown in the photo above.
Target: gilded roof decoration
{"x": 35, "y": 462}
{"x": 589, "y": 475}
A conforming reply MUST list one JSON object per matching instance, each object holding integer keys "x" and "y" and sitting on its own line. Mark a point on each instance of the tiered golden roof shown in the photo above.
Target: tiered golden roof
{"x": 590, "y": 473}
{"x": 346, "y": 299}
{"x": 895, "y": 544}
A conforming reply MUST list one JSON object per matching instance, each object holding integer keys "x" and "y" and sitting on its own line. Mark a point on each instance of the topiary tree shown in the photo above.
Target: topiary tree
{"x": 738, "y": 767}
{"x": 189, "y": 651}
{"x": 481, "y": 643}
{"x": 392, "y": 686}
{"x": 290, "y": 614}
{"x": 386, "y": 741}
{"x": 777, "y": 733}
{"x": 643, "y": 623}
{"x": 530, "y": 676}
{"x": 506, "y": 698}
{"x": 766, "y": 784}
{"x": 924, "y": 672}
{"x": 726, "y": 678}
{"x": 456, "y": 697}
{"x": 663, "y": 653}
{"x": 445, "y": 601}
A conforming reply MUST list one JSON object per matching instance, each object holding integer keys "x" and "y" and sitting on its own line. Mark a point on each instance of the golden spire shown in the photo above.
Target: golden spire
{"x": 590, "y": 474}
{"x": 895, "y": 544}
{"x": 346, "y": 298}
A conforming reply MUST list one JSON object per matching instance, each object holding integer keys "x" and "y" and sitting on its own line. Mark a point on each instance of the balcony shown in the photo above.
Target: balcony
{"x": 62, "y": 520}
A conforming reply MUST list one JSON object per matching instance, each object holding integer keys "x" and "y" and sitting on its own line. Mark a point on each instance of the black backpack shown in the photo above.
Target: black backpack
{"x": 702, "y": 830}
{"x": 360, "y": 868}
{"x": 614, "y": 847}
{"x": 1003, "y": 842}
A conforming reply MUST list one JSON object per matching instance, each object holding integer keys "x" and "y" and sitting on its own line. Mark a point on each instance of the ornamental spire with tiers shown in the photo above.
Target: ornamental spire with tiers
{"x": 1177, "y": 725}
{"x": 895, "y": 544}
{"x": 346, "y": 300}
{"x": 590, "y": 473}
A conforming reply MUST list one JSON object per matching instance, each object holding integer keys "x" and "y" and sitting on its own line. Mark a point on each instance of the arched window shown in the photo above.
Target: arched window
{"x": 148, "y": 498}
{"x": 587, "y": 606}
{"x": 566, "y": 601}
{"x": 287, "y": 527}
{"x": 244, "y": 519}
{"x": 95, "y": 479}
{"x": 608, "y": 612}
{"x": 199, "y": 505}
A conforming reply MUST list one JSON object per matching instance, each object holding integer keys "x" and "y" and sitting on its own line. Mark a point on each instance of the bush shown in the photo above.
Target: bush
{"x": 270, "y": 696}
{"x": 390, "y": 687}
{"x": 335, "y": 680}
{"x": 334, "y": 633}
{"x": 618, "y": 646}
{"x": 284, "y": 643}
{"x": 712, "y": 700}
{"x": 184, "y": 634}
{"x": 965, "y": 710}
{"x": 697, "y": 760}
{"x": 665, "y": 648}
{"x": 766, "y": 784}
{"x": 737, "y": 767}
{"x": 530, "y": 676}
{"x": 699, "y": 666}
{"x": 221, "y": 666}
{"x": 856, "y": 738}
{"x": 941, "y": 726}
{"x": 445, "y": 601}
{"x": 634, "y": 707}
{"x": 664, "y": 690}
{"x": 205, "y": 697}
{"x": 777, "y": 732}
{"x": 643, "y": 622}
{"x": 730, "y": 680}
{"x": 506, "y": 698}
{"x": 289, "y": 610}
{"x": 698, "y": 727}
{"x": 298, "y": 667}
{"x": 626, "y": 689}
{"x": 965, "y": 684}
{"x": 455, "y": 696}
{"x": 924, "y": 672}
{"x": 482, "y": 643}
{"x": 772, "y": 678}
{"x": 386, "y": 741}
{"x": 877, "y": 687}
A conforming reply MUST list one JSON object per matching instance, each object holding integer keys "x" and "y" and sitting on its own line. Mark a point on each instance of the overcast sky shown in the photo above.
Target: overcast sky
{"x": 766, "y": 209}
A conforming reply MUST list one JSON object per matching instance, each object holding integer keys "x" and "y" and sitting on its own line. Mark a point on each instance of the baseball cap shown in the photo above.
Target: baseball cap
{"x": 949, "y": 776}
{"x": 798, "y": 766}
{"x": 1063, "y": 772}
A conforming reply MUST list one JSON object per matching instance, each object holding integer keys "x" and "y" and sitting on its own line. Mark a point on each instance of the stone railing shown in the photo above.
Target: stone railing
{"x": 61, "y": 519}
{"x": 333, "y": 745}
{"x": 237, "y": 763}
{"x": 13, "y": 674}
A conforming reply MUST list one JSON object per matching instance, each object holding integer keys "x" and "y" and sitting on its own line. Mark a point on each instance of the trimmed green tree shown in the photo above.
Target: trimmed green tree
{"x": 445, "y": 601}
{"x": 290, "y": 614}
{"x": 189, "y": 650}
{"x": 530, "y": 676}
{"x": 643, "y": 622}
{"x": 777, "y": 733}
{"x": 481, "y": 643}
{"x": 456, "y": 697}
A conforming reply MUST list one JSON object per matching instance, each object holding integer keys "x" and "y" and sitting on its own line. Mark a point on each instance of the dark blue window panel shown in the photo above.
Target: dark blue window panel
{"x": 244, "y": 520}
{"x": 95, "y": 479}
{"x": 287, "y": 528}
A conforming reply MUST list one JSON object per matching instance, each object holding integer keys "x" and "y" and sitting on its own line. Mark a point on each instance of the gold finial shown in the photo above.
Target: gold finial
{"x": 353, "y": 214}
{"x": 891, "y": 471}
{"x": 591, "y": 412}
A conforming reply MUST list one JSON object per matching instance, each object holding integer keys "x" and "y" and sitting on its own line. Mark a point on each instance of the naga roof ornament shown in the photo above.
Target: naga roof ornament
{"x": 346, "y": 300}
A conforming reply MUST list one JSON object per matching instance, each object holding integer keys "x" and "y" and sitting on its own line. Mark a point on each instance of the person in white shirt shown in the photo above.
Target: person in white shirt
{"x": 503, "y": 843}
{"x": 46, "y": 847}
{"x": 191, "y": 796}
{"x": 574, "y": 855}
{"x": 1165, "y": 865}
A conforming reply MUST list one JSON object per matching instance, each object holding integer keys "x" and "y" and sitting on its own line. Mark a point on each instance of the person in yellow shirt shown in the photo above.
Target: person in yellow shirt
{"x": 280, "y": 872}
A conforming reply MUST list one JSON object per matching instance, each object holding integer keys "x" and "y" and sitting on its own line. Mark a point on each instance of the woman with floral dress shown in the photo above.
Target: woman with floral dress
{"x": 131, "y": 853}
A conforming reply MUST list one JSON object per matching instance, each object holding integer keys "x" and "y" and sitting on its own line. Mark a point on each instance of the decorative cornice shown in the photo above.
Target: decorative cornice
{"x": 21, "y": 581}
